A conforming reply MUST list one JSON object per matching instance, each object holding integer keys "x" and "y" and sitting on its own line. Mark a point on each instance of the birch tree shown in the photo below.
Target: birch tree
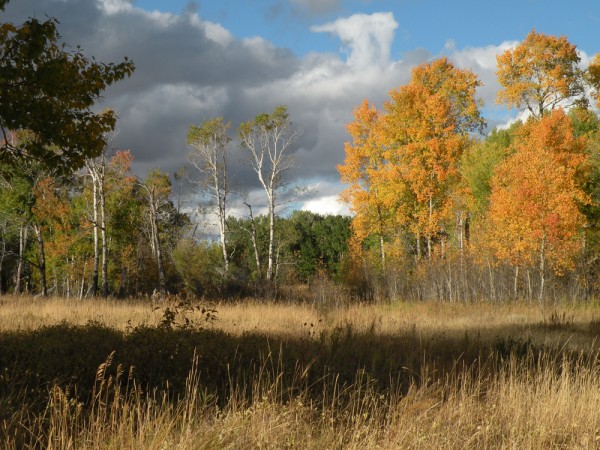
{"x": 268, "y": 140}
{"x": 210, "y": 142}
{"x": 156, "y": 189}
{"x": 97, "y": 170}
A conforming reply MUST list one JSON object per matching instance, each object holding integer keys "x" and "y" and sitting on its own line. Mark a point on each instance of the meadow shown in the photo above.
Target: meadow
{"x": 254, "y": 374}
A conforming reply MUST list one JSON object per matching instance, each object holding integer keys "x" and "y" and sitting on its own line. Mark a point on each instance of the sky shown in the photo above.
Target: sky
{"x": 197, "y": 60}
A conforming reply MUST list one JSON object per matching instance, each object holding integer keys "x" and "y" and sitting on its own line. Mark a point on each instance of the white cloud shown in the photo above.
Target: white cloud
{"x": 326, "y": 205}
{"x": 368, "y": 37}
{"x": 479, "y": 57}
{"x": 217, "y": 33}
{"x": 482, "y": 62}
{"x": 115, "y": 6}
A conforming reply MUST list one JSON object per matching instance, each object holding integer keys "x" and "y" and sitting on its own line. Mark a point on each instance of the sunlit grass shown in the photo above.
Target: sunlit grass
{"x": 571, "y": 324}
{"x": 536, "y": 383}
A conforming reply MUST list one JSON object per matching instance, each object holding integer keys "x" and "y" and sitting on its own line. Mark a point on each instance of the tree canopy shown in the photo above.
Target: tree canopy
{"x": 539, "y": 74}
{"x": 49, "y": 89}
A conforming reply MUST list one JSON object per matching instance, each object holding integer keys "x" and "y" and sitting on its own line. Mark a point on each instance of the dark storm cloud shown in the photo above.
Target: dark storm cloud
{"x": 189, "y": 70}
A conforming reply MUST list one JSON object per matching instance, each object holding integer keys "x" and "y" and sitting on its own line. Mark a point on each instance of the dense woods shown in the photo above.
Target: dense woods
{"x": 440, "y": 210}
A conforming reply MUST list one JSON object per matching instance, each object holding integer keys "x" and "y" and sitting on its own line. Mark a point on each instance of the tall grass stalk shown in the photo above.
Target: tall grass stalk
{"x": 531, "y": 379}
{"x": 530, "y": 402}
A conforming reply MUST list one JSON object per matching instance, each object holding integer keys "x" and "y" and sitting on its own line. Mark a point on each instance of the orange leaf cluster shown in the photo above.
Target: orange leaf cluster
{"x": 534, "y": 206}
{"x": 539, "y": 73}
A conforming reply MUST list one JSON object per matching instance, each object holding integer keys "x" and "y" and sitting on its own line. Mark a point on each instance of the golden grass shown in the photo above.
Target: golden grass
{"x": 546, "y": 402}
{"x": 568, "y": 324}
{"x": 517, "y": 408}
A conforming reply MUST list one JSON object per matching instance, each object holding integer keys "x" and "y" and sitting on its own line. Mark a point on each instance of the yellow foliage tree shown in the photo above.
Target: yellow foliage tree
{"x": 534, "y": 214}
{"x": 402, "y": 165}
{"x": 539, "y": 74}
{"x": 593, "y": 77}
{"x": 428, "y": 125}
{"x": 362, "y": 168}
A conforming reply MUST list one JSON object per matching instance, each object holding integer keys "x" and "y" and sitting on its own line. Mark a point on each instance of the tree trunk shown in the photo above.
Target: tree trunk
{"x": 94, "y": 287}
{"x": 68, "y": 281}
{"x": 542, "y": 271}
{"x": 82, "y": 286}
{"x": 529, "y": 290}
{"x": 253, "y": 237}
{"x": 222, "y": 212}
{"x": 429, "y": 232}
{"x": 162, "y": 285}
{"x": 516, "y": 283}
{"x": 271, "y": 238}
{"x": 22, "y": 247}
{"x": 224, "y": 244}
{"x": 42, "y": 260}
{"x": 104, "y": 289}
{"x": 491, "y": 275}
{"x": 123, "y": 283}
{"x": 381, "y": 240}
{"x": 461, "y": 230}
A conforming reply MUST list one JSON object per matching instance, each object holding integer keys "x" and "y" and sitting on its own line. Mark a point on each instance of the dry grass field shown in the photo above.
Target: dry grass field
{"x": 126, "y": 374}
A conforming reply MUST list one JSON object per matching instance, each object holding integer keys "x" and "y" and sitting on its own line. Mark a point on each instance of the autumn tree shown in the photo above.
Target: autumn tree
{"x": 535, "y": 217}
{"x": 22, "y": 197}
{"x": 428, "y": 125}
{"x": 210, "y": 142}
{"x": 592, "y": 76}
{"x": 268, "y": 139}
{"x": 50, "y": 90}
{"x": 53, "y": 227}
{"x": 539, "y": 74}
{"x": 362, "y": 170}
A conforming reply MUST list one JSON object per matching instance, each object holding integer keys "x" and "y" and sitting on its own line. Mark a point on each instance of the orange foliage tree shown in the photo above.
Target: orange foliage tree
{"x": 534, "y": 214}
{"x": 428, "y": 125}
{"x": 540, "y": 74}
{"x": 362, "y": 170}
{"x": 401, "y": 166}
{"x": 52, "y": 225}
{"x": 593, "y": 77}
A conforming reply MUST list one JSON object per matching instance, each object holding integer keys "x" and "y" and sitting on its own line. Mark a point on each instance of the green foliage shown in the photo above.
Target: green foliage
{"x": 50, "y": 90}
{"x": 320, "y": 242}
{"x": 585, "y": 122}
{"x": 199, "y": 266}
{"x": 279, "y": 118}
{"x": 211, "y": 132}
{"x": 240, "y": 244}
{"x": 307, "y": 243}
{"x": 479, "y": 161}
{"x": 478, "y": 164}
